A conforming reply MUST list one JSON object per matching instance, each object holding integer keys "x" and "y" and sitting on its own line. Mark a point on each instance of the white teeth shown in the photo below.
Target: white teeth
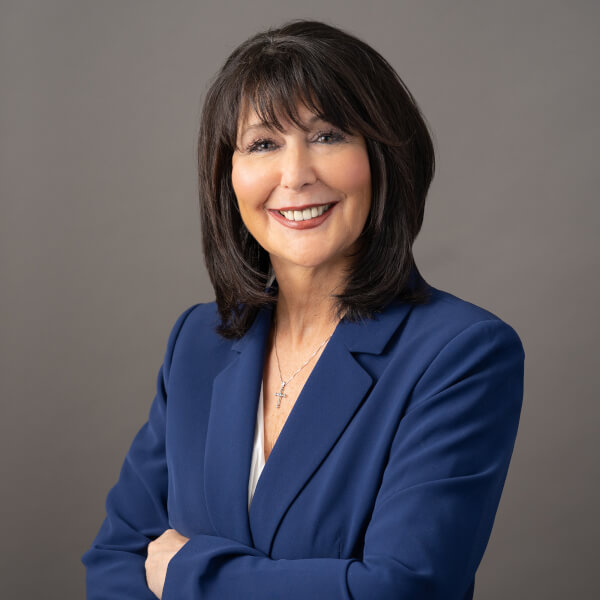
{"x": 307, "y": 213}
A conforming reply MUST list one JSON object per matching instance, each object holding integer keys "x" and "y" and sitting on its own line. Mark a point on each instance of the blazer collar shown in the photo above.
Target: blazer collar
{"x": 321, "y": 412}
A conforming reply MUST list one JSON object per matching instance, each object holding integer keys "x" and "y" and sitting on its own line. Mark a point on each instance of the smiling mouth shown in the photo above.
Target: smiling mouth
{"x": 307, "y": 213}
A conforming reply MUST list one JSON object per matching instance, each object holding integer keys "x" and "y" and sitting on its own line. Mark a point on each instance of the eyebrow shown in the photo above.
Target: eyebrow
{"x": 260, "y": 124}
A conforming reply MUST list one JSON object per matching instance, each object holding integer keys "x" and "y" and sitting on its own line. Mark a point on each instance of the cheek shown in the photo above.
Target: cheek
{"x": 357, "y": 182}
{"x": 250, "y": 183}
{"x": 353, "y": 174}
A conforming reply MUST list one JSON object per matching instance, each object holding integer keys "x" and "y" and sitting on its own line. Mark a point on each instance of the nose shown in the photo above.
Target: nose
{"x": 297, "y": 169}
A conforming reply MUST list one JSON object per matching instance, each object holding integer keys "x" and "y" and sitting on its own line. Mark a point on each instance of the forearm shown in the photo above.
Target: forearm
{"x": 113, "y": 574}
{"x": 210, "y": 567}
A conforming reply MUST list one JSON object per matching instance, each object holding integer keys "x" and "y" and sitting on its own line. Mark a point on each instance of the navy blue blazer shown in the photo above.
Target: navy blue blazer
{"x": 384, "y": 482}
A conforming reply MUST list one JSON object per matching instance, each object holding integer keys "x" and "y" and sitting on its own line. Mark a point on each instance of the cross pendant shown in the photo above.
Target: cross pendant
{"x": 280, "y": 394}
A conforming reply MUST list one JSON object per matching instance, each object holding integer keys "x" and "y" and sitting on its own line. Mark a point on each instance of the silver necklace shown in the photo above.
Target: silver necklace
{"x": 281, "y": 394}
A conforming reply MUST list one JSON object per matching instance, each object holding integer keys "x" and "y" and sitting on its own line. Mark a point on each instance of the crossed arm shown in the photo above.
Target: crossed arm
{"x": 431, "y": 521}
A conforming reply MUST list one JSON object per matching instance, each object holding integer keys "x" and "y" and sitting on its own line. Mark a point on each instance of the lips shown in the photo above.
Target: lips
{"x": 306, "y": 223}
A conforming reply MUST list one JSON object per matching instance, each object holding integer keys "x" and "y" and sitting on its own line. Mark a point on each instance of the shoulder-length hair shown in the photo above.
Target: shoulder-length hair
{"x": 349, "y": 84}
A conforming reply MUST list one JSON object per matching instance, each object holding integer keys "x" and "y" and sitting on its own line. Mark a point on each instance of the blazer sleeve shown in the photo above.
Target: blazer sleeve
{"x": 435, "y": 508}
{"x": 136, "y": 507}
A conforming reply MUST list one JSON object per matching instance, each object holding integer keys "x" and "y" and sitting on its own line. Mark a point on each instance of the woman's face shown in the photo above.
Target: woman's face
{"x": 320, "y": 179}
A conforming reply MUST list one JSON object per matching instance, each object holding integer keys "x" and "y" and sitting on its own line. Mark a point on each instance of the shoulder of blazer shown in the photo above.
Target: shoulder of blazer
{"x": 200, "y": 326}
{"x": 445, "y": 316}
{"x": 444, "y": 306}
{"x": 197, "y": 342}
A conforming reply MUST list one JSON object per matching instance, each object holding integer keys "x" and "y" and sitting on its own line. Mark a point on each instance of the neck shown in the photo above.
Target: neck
{"x": 306, "y": 312}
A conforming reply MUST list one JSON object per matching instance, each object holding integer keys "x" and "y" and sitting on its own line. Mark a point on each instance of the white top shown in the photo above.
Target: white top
{"x": 258, "y": 452}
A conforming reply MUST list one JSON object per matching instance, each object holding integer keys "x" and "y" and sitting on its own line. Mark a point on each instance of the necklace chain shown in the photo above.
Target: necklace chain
{"x": 281, "y": 394}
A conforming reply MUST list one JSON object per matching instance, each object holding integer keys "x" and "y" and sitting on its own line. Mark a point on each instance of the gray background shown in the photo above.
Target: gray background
{"x": 100, "y": 245}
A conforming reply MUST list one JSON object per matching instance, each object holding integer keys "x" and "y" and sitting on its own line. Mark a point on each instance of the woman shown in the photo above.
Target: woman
{"x": 386, "y": 410}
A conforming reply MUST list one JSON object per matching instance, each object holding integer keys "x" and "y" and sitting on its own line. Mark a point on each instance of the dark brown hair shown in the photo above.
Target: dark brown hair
{"x": 349, "y": 84}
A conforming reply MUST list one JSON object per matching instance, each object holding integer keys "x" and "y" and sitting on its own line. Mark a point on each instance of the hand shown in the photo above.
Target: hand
{"x": 160, "y": 552}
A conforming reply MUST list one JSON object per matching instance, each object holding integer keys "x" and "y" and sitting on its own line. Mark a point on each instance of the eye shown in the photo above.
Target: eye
{"x": 330, "y": 137}
{"x": 261, "y": 145}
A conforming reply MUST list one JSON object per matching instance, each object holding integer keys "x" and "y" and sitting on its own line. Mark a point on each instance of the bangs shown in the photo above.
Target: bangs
{"x": 277, "y": 84}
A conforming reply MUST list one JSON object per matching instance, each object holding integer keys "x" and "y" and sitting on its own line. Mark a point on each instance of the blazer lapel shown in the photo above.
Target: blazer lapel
{"x": 230, "y": 436}
{"x": 330, "y": 397}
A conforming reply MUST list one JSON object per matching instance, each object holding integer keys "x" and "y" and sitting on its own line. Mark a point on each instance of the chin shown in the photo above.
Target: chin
{"x": 313, "y": 262}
